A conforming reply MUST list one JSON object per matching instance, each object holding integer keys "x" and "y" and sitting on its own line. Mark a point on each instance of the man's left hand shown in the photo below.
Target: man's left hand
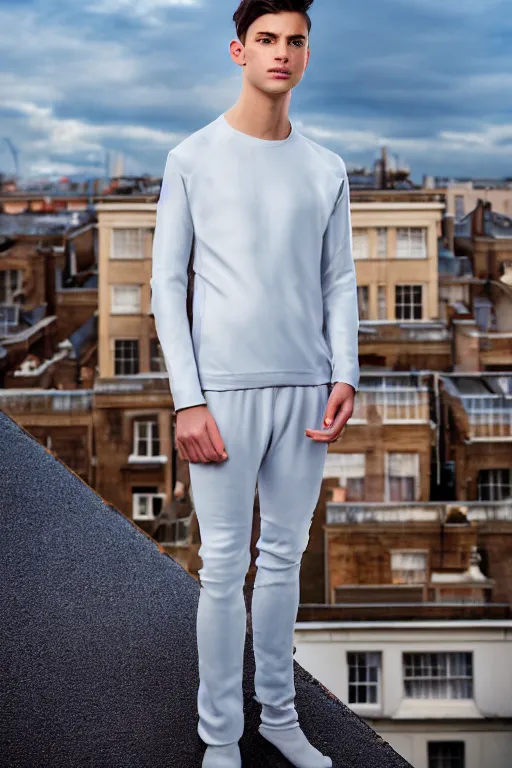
{"x": 340, "y": 407}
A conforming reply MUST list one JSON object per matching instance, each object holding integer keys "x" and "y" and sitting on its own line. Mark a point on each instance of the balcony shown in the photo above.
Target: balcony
{"x": 23, "y": 401}
{"x": 348, "y": 513}
{"x": 489, "y": 417}
{"x": 391, "y": 404}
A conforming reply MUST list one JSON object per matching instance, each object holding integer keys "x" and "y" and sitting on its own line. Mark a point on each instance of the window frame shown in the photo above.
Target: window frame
{"x": 124, "y": 254}
{"x": 363, "y": 234}
{"x": 433, "y": 760}
{"x": 136, "y": 359}
{"x": 410, "y": 253}
{"x": 446, "y": 680}
{"x": 410, "y": 303}
{"x": 120, "y": 310}
{"x": 366, "y": 684}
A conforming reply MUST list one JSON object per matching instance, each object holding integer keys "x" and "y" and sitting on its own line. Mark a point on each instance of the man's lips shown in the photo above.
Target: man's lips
{"x": 280, "y": 72}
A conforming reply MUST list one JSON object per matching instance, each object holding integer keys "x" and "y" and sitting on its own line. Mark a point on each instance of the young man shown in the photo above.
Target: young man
{"x": 266, "y": 376}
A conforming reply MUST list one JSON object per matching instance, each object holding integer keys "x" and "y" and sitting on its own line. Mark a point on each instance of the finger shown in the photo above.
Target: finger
{"x": 182, "y": 453}
{"x": 215, "y": 437}
{"x": 192, "y": 452}
{"x": 207, "y": 447}
{"x": 330, "y": 412}
{"x": 199, "y": 450}
{"x": 327, "y": 435}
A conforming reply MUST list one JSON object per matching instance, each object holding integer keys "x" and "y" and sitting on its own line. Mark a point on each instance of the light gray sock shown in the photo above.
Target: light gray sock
{"x": 225, "y": 756}
{"x": 294, "y": 745}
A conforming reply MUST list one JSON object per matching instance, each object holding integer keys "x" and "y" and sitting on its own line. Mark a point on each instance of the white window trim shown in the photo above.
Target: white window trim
{"x": 423, "y": 301}
{"x": 493, "y": 481}
{"x": 403, "y": 551}
{"x": 379, "y": 231}
{"x": 386, "y": 474}
{"x": 150, "y": 423}
{"x": 366, "y": 706}
{"x": 363, "y": 233}
{"x": 120, "y": 310}
{"x": 411, "y": 253}
{"x": 11, "y": 295}
{"x": 139, "y": 253}
{"x": 135, "y": 500}
{"x": 137, "y": 347}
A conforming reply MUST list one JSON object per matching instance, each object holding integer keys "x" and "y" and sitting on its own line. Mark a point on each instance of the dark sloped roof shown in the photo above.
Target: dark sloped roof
{"x": 99, "y": 640}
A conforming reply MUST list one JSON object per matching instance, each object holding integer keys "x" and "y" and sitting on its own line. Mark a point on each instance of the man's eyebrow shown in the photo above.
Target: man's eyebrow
{"x": 290, "y": 37}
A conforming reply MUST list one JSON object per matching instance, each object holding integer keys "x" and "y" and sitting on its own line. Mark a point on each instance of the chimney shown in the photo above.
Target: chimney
{"x": 477, "y": 219}
{"x": 449, "y": 231}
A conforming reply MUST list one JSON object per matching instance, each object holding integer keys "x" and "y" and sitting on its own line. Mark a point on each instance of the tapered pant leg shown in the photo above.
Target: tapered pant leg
{"x": 223, "y": 496}
{"x": 289, "y": 485}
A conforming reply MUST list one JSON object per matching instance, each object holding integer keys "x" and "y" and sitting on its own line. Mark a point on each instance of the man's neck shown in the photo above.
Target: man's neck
{"x": 261, "y": 117}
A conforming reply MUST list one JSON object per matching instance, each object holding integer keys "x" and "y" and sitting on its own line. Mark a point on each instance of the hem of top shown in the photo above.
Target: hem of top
{"x": 254, "y": 380}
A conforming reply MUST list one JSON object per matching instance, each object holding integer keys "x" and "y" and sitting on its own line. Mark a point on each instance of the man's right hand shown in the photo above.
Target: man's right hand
{"x": 198, "y": 437}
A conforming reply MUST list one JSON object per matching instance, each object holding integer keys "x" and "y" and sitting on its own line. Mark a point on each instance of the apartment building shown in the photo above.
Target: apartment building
{"x": 395, "y": 247}
{"x": 438, "y": 691}
{"x": 134, "y": 423}
{"x": 462, "y": 195}
{"x": 477, "y": 434}
{"x": 44, "y": 258}
{"x": 385, "y": 455}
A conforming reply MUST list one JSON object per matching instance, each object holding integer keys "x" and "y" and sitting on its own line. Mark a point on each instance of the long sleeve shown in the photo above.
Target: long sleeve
{"x": 171, "y": 253}
{"x": 339, "y": 290}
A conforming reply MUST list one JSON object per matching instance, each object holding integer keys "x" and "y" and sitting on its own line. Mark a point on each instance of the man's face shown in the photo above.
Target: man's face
{"x": 276, "y": 40}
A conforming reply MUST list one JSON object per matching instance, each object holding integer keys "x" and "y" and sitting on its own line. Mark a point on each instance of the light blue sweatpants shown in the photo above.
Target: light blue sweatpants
{"x": 264, "y": 433}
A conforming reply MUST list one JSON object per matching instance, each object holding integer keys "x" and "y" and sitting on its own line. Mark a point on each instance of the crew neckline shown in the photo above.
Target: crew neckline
{"x": 256, "y": 140}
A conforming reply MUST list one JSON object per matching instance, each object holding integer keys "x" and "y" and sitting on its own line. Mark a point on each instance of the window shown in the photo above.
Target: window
{"x": 382, "y": 242}
{"x": 494, "y": 484}
{"x": 362, "y": 301}
{"x": 382, "y": 302}
{"x": 9, "y": 317}
{"x": 446, "y": 754}
{"x": 127, "y": 244}
{"x": 360, "y": 248}
{"x": 146, "y": 440}
{"x": 438, "y": 675}
{"x": 11, "y": 285}
{"x": 349, "y": 468}
{"x": 459, "y": 207}
{"x": 411, "y": 243}
{"x": 126, "y": 299}
{"x": 126, "y": 357}
{"x": 408, "y": 567}
{"x": 157, "y": 362}
{"x": 364, "y": 677}
{"x": 408, "y": 302}
{"x": 147, "y": 503}
{"x": 403, "y": 476}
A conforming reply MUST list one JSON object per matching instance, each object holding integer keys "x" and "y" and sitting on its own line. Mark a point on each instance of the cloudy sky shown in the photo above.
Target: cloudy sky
{"x": 431, "y": 79}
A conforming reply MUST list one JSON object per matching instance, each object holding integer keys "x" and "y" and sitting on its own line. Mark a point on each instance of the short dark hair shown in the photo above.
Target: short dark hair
{"x": 250, "y": 10}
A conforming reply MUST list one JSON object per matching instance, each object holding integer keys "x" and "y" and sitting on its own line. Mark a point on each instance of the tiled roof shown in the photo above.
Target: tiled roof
{"x": 99, "y": 630}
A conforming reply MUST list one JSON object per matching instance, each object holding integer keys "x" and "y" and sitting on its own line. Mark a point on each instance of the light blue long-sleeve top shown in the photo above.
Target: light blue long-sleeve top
{"x": 275, "y": 298}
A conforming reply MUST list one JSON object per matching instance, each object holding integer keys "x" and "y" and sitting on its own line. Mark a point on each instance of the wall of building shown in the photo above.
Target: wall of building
{"x": 483, "y": 722}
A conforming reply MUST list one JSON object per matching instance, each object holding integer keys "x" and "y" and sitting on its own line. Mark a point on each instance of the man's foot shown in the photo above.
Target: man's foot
{"x": 225, "y": 756}
{"x": 293, "y": 744}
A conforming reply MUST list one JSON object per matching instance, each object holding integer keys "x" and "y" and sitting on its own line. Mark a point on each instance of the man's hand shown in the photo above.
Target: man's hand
{"x": 339, "y": 409}
{"x": 198, "y": 437}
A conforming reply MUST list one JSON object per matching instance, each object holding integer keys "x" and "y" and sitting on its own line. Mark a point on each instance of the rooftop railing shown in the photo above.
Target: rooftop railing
{"x": 393, "y": 405}
{"x": 45, "y": 400}
{"x": 348, "y": 513}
